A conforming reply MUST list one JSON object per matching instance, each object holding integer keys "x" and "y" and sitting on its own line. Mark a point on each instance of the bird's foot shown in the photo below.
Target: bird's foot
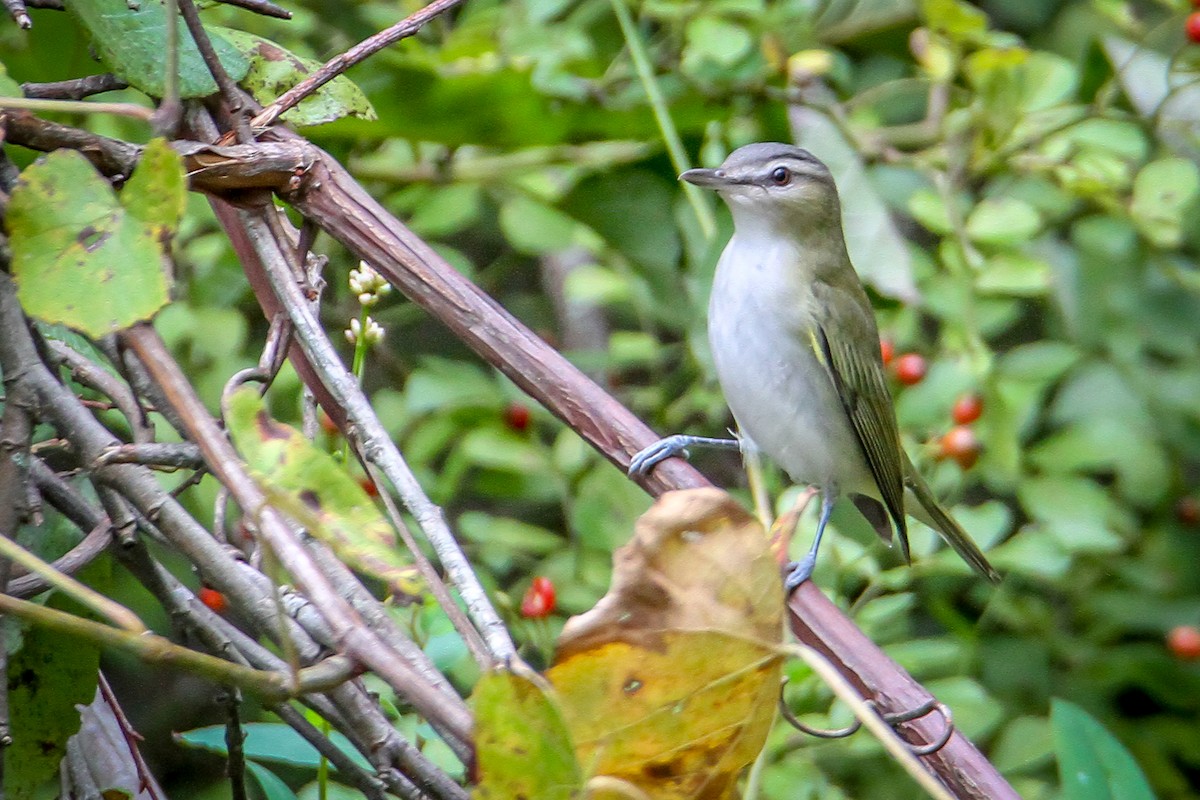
{"x": 798, "y": 572}
{"x": 649, "y": 457}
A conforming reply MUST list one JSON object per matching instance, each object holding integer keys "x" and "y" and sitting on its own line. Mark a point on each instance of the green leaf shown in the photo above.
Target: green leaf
{"x": 536, "y": 228}
{"x": 1014, "y": 274}
{"x": 596, "y": 285}
{"x": 443, "y": 385}
{"x": 927, "y": 208}
{"x": 1092, "y": 764}
{"x": 505, "y": 533}
{"x": 274, "y": 70}
{"x": 522, "y": 745}
{"x": 713, "y": 39}
{"x": 50, "y": 674}
{"x": 447, "y": 209}
{"x": 1038, "y": 362}
{"x": 631, "y": 210}
{"x": 955, "y": 18}
{"x": 1110, "y": 444}
{"x": 1003, "y": 221}
{"x": 315, "y": 490}
{"x": 1025, "y": 743}
{"x": 9, "y": 87}
{"x": 271, "y": 743}
{"x": 272, "y": 786}
{"x": 1076, "y": 512}
{"x": 156, "y": 192}
{"x": 131, "y": 39}
{"x": 79, "y": 257}
{"x": 1162, "y": 193}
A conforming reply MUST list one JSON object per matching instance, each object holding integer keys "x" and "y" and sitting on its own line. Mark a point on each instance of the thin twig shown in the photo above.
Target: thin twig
{"x": 93, "y": 376}
{"x": 74, "y": 89}
{"x": 264, "y": 7}
{"x": 78, "y": 107}
{"x": 896, "y": 747}
{"x": 116, "y": 613}
{"x": 344, "y": 61}
{"x": 161, "y": 455}
{"x": 229, "y": 90}
{"x": 16, "y": 9}
{"x": 466, "y": 630}
{"x": 236, "y": 759}
{"x": 145, "y": 778}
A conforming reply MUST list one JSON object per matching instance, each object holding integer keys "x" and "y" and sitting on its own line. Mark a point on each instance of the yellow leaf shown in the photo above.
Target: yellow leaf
{"x": 669, "y": 684}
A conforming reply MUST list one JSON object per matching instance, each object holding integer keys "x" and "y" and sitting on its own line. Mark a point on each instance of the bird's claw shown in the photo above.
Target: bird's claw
{"x": 798, "y": 572}
{"x": 648, "y": 458}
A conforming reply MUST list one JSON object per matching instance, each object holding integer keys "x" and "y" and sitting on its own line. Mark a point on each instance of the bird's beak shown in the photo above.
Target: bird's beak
{"x": 708, "y": 178}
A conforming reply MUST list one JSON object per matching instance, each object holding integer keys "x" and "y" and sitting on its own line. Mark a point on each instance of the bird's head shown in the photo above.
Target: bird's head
{"x": 773, "y": 187}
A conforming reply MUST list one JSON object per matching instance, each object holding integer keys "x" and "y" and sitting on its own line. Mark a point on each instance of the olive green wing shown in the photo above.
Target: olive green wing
{"x": 857, "y": 374}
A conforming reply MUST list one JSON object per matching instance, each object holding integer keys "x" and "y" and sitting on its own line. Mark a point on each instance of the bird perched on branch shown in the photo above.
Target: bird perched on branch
{"x": 797, "y": 354}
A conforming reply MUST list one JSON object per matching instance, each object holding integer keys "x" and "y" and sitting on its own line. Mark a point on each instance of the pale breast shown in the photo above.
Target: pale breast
{"x": 780, "y": 395}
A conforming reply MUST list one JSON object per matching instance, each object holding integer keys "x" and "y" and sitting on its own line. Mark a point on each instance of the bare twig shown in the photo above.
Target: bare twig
{"x": 131, "y": 739}
{"x": 475, "y": 644}
{"x": 234, "y": 100}
{"x": 78, "y": 107}
{"x": 343, "y": 61}
{"x": 181, "y": 455}
{"x": 264, "y": 7}
{"x": 16, "y": 9}
{"x": 74, "y": 89}
{"x": 235, "y": 761}
{"x": 96, "y": 377}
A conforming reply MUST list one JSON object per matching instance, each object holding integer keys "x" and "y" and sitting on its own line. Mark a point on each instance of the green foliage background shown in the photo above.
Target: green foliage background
{"x": 1037, "y": 159}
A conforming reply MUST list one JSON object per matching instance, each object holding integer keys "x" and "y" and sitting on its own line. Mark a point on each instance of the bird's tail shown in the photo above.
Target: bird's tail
{"x": 930, "y": 511}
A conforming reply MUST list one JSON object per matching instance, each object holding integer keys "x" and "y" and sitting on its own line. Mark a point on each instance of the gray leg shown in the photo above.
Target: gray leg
{"x": 802, "y": 570}
{"x": 672, "y": 446}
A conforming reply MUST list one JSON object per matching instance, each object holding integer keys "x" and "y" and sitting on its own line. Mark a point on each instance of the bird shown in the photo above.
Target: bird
{"x": 796, "y": 349}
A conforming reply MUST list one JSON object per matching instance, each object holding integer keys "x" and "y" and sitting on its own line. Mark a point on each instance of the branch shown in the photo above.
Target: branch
{"x": 75, "y": 89}
{"x": 344, "y": 61}
{"x": 331, "y": 198}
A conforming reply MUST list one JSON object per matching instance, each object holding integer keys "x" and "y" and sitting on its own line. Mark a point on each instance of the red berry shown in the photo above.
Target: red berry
{"x": 967, "y": 409}
{"x": 516, "y": 416}
{"x": 888, "y": 350}
{"x": 1187, "y": 509}
{"x": 368, "y": 486}
{"x": 1192, "y": 26}
{"x": 960, "y": 444}
{"x": 1184, "y": 642}
{"x": 213, "y": 599}
{"x": 539, "y": 599}
{"x": 911, "y": 369}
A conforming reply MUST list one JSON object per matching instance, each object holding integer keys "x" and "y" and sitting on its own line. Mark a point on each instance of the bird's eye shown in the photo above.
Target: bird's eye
{"x": 780, "y": 176}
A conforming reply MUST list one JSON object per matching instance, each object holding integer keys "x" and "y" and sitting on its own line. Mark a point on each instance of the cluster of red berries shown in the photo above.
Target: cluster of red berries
{"x": 960, "y": 442}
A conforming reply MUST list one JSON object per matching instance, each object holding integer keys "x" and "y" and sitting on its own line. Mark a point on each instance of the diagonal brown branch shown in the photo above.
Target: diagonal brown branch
{"x": 331, "y": 198}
